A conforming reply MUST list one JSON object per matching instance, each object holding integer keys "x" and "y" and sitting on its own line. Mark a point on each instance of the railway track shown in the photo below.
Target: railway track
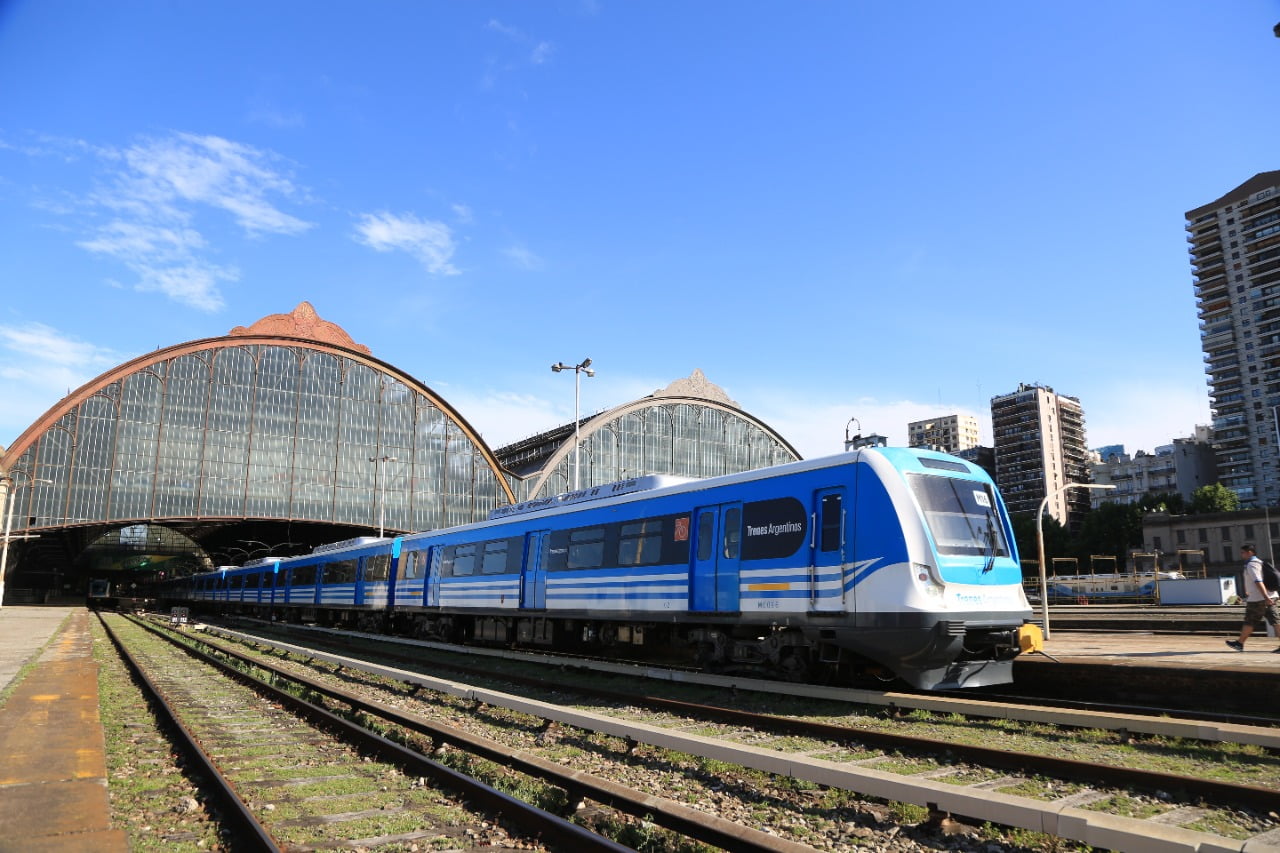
{"x": 291, "y": 774}
{"x": 1106, "y": 805}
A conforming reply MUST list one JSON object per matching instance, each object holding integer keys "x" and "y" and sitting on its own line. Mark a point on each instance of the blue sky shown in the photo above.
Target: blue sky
{"x": 836, "y": 210}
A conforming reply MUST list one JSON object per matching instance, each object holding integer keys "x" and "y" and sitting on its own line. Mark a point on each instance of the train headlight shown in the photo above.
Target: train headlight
{"x": 927, "y": 579}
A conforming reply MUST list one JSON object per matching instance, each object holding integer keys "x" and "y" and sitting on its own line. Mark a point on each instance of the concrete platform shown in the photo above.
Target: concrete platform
{"x": 1157, "y": 648}
{"x": 53, "y": 775}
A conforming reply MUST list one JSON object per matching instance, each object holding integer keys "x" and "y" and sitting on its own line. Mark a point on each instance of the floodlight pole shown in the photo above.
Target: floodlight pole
{"x": 1044, "y": 581}
{"x": 578, "y": 370}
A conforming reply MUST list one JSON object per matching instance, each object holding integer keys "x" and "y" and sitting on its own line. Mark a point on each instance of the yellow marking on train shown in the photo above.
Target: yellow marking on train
{"x": 768, "y": 587}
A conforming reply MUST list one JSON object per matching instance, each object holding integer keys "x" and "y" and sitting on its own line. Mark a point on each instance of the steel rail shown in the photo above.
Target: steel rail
{"x": 1262, "y": 798}
{"x": 693, "y": 823}
{"x": 539, "y": 822}
{"x": 248, "y": 829}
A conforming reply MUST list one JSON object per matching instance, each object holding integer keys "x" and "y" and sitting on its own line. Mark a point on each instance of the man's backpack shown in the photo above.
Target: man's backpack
{"x": 1270, "y": 577}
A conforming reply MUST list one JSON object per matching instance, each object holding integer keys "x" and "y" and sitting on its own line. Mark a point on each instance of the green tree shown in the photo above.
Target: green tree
{"x": 1214, "y": 497}
{"x": 1112, "y": 529}
{"x": 1170, "y": 502}
{"x": 1057, "y": 539}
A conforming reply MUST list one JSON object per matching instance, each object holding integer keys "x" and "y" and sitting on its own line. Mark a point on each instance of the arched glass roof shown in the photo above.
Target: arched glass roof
{"x": 254, "y": 426}
{"x": 668, "y": 433}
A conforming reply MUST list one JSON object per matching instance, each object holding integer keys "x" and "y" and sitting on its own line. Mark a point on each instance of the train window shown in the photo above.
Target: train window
{"x": 377, "y": 567}
{"x": 732, "y": 532}
{"x": 831, "y": 517}
{"x": 494, "y": 560}
{"x": 343, "y": 571}
{"x": 706, "y": 527}
{"x": 586, "y": 548}
{"x": 961, "y": 515}
{"x": 502, "y": 556}
{"x": 255, "y": 580}
{"x": 282, "y": 577}
{"x": 640, "y": 543}
{"x": 410, "y": 567}
{"x": 459, "y": 561}
{"x": 304, "y": 576}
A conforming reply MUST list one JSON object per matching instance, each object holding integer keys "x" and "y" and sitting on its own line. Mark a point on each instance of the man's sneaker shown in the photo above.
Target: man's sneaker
{"x": 1236, "y": 644}
{"x": 1275, "y": 651}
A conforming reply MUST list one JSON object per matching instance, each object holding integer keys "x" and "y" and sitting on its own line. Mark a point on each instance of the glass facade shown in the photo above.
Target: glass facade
{"x": 249, "y": 431}
{"x": 689, "y": 439}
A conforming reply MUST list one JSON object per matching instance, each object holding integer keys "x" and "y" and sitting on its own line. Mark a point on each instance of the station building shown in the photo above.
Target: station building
{"x": 287, "y": 434}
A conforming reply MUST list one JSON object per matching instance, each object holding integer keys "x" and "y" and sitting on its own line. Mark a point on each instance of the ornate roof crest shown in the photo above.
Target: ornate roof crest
{"x": 697, "y": 385}
{"x": 303, "y": 322}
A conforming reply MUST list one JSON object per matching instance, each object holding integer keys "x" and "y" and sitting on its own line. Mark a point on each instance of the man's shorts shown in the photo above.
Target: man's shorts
{"x": 1258, "y": 612}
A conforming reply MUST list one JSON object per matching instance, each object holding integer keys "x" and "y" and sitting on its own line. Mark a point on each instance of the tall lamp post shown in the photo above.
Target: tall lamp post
{"x": 578, "y": 370}
{"x": 378, "y": 463}
{"x": 8, "y": 523}
{"x": 1044, "y": 581}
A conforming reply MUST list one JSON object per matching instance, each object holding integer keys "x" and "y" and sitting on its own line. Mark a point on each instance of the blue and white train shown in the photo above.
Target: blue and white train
{"x": 882, "y": 561}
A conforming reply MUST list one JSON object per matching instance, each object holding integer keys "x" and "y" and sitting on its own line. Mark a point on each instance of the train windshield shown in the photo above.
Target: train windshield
{"x": 961, "y": 514}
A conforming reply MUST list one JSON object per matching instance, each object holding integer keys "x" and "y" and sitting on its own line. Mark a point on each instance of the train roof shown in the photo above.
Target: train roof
{"x": 656, "y": 485}
{"x": 899, "y": 457}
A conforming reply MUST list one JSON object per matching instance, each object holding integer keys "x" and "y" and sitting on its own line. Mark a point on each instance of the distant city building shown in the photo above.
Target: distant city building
{"x": 1212, "y": 540}
{"x": 948, "y": 433}
{"x": 1107, "y": 451}
{"x": 1173, "y": 469}
{"x": 983, "y": 457}
{"x": 1235, "y": 259}
{"x": 1039, "y": 448}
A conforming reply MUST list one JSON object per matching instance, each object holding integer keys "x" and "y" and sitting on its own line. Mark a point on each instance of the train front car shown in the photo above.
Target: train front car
{"x": 938, "y": 596}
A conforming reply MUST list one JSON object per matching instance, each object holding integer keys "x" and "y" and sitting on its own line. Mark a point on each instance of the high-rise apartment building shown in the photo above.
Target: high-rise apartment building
{"x": 1040, "y": 447}
{"x": 949, "y": 433}
{"x": 1235, "y": 258}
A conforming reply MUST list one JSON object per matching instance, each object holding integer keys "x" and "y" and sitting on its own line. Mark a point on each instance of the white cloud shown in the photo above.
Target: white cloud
{"x": 505, "y": 417}
{"x": 213, "y": 171}
{"x": 39, "y": 364}
{"x": 430, "y": 242}
{"x": 156, "y": 190}
{"x": 523, "y": 258}
{"x": 542, "y": 52}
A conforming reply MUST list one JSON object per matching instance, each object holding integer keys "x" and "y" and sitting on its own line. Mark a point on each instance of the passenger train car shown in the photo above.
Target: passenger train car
{"x": 883, "y": 560}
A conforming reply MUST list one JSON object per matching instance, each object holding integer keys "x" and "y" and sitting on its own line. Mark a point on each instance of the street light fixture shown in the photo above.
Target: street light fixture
{"x": 1044, "y": 581}
{"x": 578, "y": 370}
{"x": 378, "y": 463}
{"x": 8, "y": 522}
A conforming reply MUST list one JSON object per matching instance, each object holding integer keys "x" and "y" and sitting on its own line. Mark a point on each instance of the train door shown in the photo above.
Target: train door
{"x": 431, "y": 587}
{"x": 533, "y": 581}
{"x": 393, "y": 572}
{"x": 826, "y": 569}
{"x": 717, "y": 549}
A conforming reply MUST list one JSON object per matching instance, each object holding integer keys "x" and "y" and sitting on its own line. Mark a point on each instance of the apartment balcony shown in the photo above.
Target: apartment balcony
{"x": 1218, "y": 302}
{"x": 1217, "y": 340}
{"x": 1253, "y": 211}
{"x": 1208, "y": 266}
{"x": 1266, "y": 279}
{"x": 1263, "y": 240}
{"x": 1210, "y": 230}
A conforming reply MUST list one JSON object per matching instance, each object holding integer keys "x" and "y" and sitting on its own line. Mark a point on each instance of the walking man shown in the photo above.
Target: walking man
{"x": 1260, "y": 603}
